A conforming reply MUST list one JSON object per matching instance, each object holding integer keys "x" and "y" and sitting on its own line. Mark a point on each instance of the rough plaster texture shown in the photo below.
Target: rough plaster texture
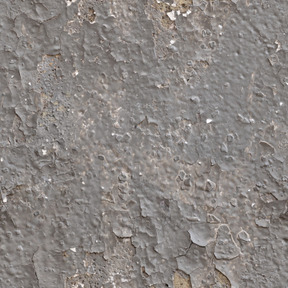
{"x": 143, "y": 143}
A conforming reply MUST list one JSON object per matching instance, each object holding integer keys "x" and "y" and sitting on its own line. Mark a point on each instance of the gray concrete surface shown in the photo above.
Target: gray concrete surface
{"x": 143, "y": 143}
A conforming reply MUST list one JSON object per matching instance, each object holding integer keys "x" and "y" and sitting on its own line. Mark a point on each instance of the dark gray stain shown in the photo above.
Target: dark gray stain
{"x": 143, "y": 143}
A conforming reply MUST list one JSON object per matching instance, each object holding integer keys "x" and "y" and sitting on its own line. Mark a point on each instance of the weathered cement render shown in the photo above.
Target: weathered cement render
{"x": 144, "y": 144}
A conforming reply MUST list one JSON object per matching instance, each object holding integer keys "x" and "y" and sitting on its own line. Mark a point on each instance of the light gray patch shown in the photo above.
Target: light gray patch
{"x": 202, "y": 233}
{"x": 225, "y": 247}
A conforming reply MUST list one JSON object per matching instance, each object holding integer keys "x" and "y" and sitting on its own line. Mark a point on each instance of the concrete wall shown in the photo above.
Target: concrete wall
{"x": 143, "y": 143}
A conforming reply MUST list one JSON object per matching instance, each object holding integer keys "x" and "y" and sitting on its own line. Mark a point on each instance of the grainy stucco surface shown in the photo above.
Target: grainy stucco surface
{"x": 143, "y": 143}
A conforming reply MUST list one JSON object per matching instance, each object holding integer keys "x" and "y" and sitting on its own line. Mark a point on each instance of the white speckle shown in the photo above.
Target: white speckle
{"x": 73, "y": 249}
{"x": 281, "y": 103}
{"x": 178, "y": 12}
{"x": 278, "y": 45}
{"x": 117, "y": 125}
{"x": 44, "y": 152}
{"x": 253, "y": 204}
{"x": 209, "y": 121}
{"x": 171, "y": 15}
{"x": 187, "y": 13}
{"x": 29, "y": 83}
{"x": 172, "y": 41}
{"x": 69, "y": 2}
{"x": 1, "y": 159}
{"x": 83, "y": 182}
{"x": 50, "y": 180}
{"x": 4, "y": 198}
{"x": 220, "y": 26}
{"x": 75, "y": 73}
{"x": 173, "y": 5}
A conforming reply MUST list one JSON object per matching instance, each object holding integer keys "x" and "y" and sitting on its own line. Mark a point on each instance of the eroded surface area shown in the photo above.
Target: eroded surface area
{"x": 143, "y": 143}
